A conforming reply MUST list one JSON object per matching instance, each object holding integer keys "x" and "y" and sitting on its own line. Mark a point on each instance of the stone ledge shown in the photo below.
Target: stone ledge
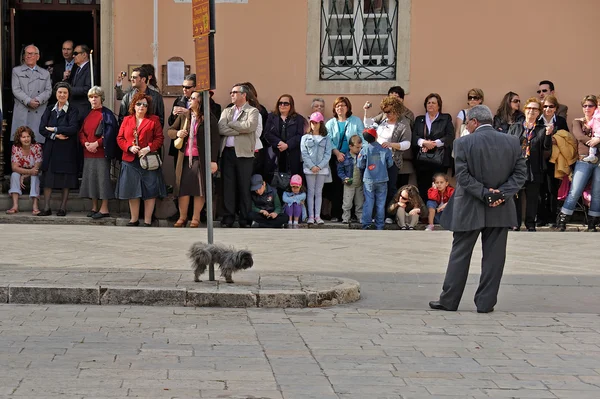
{"x": 279, "y": 292}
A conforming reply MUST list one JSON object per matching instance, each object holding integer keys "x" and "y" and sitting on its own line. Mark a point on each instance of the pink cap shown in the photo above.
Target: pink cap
{"x": 296, "y": 180}
{"x": 316, "y": 117}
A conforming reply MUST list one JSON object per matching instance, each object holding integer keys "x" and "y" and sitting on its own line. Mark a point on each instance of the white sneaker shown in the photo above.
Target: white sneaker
{"x": 319, "y": 221}
{"x": 590, "y": 159}
{"x": 310, "y": 221}
{"x": 429, "y": 227}
{"x": 389, "y": 221}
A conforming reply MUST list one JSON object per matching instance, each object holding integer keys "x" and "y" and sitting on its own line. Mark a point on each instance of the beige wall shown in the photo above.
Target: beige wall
{"x": 497, "y": 45}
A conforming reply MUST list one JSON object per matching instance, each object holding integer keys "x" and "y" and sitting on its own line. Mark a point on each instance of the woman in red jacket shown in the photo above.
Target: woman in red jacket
{"x": 140, "y": 133}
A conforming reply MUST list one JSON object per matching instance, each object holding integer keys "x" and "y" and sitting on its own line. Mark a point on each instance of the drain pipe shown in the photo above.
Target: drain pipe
{"x": 155, "y": 43}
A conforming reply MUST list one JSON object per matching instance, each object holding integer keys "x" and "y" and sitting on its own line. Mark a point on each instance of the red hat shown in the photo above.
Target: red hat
{"x": 372, "y": 132}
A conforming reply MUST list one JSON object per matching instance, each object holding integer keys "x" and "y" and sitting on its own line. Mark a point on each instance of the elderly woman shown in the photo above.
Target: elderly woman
{"x": 339, "y": 129}
{"x": 140, "y": 134}
{"x": 432, "y": 139}
{"x": 583, "y": 172}
{"x": 535, "y": 139}
{"x": 317, "y": 105}
{"x": 26, "y": 160}
{"x": 283, "y": 132}
{"x": 474, "y": 97}
{"x": 98, "y": 131}
{"x": 394, "y": 134}
{"x": 190, "y": 175}
{"x": 508, "y": 112}
{"x": 548, "y": 209}
{"x": 59, "y": 165}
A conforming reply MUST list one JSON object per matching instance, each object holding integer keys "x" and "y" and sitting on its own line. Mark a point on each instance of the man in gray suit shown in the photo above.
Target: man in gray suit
{"x": 490, "y": 170}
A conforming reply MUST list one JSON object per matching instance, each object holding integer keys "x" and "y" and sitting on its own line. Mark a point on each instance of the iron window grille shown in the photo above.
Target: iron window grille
{"x": 358, "y": 39}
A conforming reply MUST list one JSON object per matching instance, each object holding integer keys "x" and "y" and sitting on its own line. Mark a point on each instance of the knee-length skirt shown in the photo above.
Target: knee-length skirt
{"x": 192, "y": 178}
{"x": 135, "y": 182}
{"x": 96, "y": 182}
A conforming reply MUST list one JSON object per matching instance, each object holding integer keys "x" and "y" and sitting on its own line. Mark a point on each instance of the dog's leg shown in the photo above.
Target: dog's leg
{"x": 227, "y": 274}
{"x": 198, "y": 272}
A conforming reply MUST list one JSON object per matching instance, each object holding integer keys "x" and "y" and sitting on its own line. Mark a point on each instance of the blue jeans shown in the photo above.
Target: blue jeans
{"x": 375, "y": 195}
{"x": 438, "y": 215}
{"x": 581, "y": 176}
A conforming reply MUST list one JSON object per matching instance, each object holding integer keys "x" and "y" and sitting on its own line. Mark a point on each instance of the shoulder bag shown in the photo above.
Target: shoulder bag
{"x": 150, "y": 161}
{"x": 433, "y": 157}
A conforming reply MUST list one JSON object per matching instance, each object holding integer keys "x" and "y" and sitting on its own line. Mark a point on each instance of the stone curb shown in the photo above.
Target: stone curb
{"x": 220, "y": 295}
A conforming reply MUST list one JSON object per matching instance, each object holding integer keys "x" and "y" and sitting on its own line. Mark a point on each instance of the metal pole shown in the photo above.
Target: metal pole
{"x": 208, "y": 193}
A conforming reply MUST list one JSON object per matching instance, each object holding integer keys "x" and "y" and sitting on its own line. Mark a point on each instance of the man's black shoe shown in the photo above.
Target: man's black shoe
{"x": 438, "y": 306}
{"x": 485, "y": 311}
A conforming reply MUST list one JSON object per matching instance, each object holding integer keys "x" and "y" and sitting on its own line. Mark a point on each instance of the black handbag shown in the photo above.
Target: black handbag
{"x": 281, "y": 180}
{"x": 433, "y": 157}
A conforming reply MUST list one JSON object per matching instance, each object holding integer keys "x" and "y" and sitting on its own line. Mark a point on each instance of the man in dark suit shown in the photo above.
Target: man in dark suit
{"x": 62, "y": 70}
{"x": 81, "y": 81}
{"x": 490, "y": 170}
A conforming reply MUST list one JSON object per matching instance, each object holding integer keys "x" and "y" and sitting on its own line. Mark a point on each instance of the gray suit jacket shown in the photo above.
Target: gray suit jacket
{"x": 485, "y": 159}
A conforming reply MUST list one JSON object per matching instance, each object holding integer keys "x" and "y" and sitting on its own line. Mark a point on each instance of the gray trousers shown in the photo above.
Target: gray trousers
{"x": 493, "y": 240}
{"x": 404, "y": 219}
{"x": 356, "y": 196}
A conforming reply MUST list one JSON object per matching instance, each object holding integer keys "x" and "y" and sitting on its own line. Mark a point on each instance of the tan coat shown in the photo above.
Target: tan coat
{"x": 243, "y": 129}
{"x": 564, "y": 153}
{"x": 214, "y": 146}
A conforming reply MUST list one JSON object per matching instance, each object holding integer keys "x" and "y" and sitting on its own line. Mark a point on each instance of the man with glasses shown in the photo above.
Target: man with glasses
{"x": 490, "y": 170}
{"x": 237, "y": 128}
{"x": 139, "y": 82}
{"x": 81, "y": 81}
{"x": 546, "y": 88}
{"x": 31, "y": 88}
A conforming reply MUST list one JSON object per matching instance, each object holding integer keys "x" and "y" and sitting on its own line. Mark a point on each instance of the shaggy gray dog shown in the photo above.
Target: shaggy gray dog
{"x": 229, "y": 259}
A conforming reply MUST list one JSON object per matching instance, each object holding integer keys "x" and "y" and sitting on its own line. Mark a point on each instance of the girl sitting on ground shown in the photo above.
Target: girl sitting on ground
{"x": 294, "y": 199}
{"x": 437, "y": 199}
{"x": 407, "y": 205}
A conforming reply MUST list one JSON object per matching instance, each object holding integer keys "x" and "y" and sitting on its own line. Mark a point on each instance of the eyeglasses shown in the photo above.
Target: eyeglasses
{"x": 516, "y": 101}
{"x": 471, "y": 98}
{"x": 134, "y": 77}
{"x": 549, "y": 106}
{"x": 283, "y": 104}
{"x": 389, "y": 111}
{"x": 28, "y": 54}
{"x": 404, "y": 198}
{"x": 542, "y": 91}
{"x": 76, "y": 53}
{"x": 588, "y": 106}
{"x": 231, "y": 93}
{"x": 141, "y": 105}
{"x": 187, "y": 87}
{"x": 532, "y": 109}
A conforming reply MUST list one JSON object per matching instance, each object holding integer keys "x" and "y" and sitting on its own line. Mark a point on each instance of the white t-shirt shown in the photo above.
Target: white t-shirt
{"x": 462, "y": 114}
{"x": 384, "y": 132}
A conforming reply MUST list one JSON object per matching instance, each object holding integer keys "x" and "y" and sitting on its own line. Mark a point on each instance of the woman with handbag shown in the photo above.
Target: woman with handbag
{"x": 535, "y": 139}
{"x": 340, "y": 128}
{"x": 140, "y": 137}
{"x": 59, "y": 165}
{"x": 187, "y": 132}
{"x": 95, "y": 181}
{"x": 283, "y": 132}
{"x": 432, "y": 139}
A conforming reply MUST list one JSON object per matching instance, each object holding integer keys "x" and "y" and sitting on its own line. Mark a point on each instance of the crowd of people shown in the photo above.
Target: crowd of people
{"x": 279, "y": 168}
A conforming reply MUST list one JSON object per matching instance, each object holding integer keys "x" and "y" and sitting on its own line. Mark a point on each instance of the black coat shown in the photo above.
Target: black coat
{"x": 536, "y": 163}
{"x": 60, "y": 154}
{"x": 81, "y": 83}
{"x": 502, "y": 126}
{"x": 441, "y": 129}
{"x": 273, "y": 134}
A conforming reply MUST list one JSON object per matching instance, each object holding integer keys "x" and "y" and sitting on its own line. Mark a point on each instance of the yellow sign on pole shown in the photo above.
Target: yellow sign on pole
{"x": 201, "y": 29}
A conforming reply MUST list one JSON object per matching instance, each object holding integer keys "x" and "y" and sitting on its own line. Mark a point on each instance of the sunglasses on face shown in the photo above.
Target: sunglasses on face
{"x": 141, "y": 105}
{"x": 516, "y": 101}
{"x": 389, "y": 111}
{"x": 76, "y": 52}
{"x": 549, "y": 106}
{"x": 588, "y": 106}
{"x": 542, "y": 91}
{"x": 283, "y": 104}
{"x": 532, "y": 109}
{"x": 231, "y": 93}
{"x": 472, "y": 98}
{"x": 134, "y": 77}
{"x": 404, "y": 198}
{"x": 187, "y": 87}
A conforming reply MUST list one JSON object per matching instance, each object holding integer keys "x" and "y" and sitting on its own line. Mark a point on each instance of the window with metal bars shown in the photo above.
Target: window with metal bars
{"x": 358, "y": 39}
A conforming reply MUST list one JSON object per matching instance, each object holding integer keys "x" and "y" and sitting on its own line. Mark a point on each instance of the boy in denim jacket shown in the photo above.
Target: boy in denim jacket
{"x": 374, "y": 161}
{"x": 350, "y": 175}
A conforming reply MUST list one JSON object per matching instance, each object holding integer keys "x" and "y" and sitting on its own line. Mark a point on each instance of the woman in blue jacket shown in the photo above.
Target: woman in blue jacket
{"x": 339, "y": 129}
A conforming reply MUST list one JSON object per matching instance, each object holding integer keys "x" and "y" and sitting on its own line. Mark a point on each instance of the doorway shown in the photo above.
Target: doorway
{"x": 23, "y": 22}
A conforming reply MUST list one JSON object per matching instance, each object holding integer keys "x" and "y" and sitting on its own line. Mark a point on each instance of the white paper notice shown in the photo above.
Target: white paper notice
{"x": 175, "y": 73}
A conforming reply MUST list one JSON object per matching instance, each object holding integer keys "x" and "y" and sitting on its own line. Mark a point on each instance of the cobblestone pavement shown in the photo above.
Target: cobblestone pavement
{"x": 342, "y": 353}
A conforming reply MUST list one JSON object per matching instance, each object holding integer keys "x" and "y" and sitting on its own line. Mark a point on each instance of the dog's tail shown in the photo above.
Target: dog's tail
{"x": 199, "y": 255}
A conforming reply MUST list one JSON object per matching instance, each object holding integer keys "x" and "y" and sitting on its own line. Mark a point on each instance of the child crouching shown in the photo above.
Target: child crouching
{"x": 294, "y": 199}
{"x": 407, "y": 205}
{"x": 349, "y": 172}
{"x": 374, "y": 161}
{"x": 437, "y": 199}
{"x": 266, "y": 207}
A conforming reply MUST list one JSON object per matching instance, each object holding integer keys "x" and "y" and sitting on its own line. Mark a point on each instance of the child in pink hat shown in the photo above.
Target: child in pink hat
{"x": 294, "y": 198}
